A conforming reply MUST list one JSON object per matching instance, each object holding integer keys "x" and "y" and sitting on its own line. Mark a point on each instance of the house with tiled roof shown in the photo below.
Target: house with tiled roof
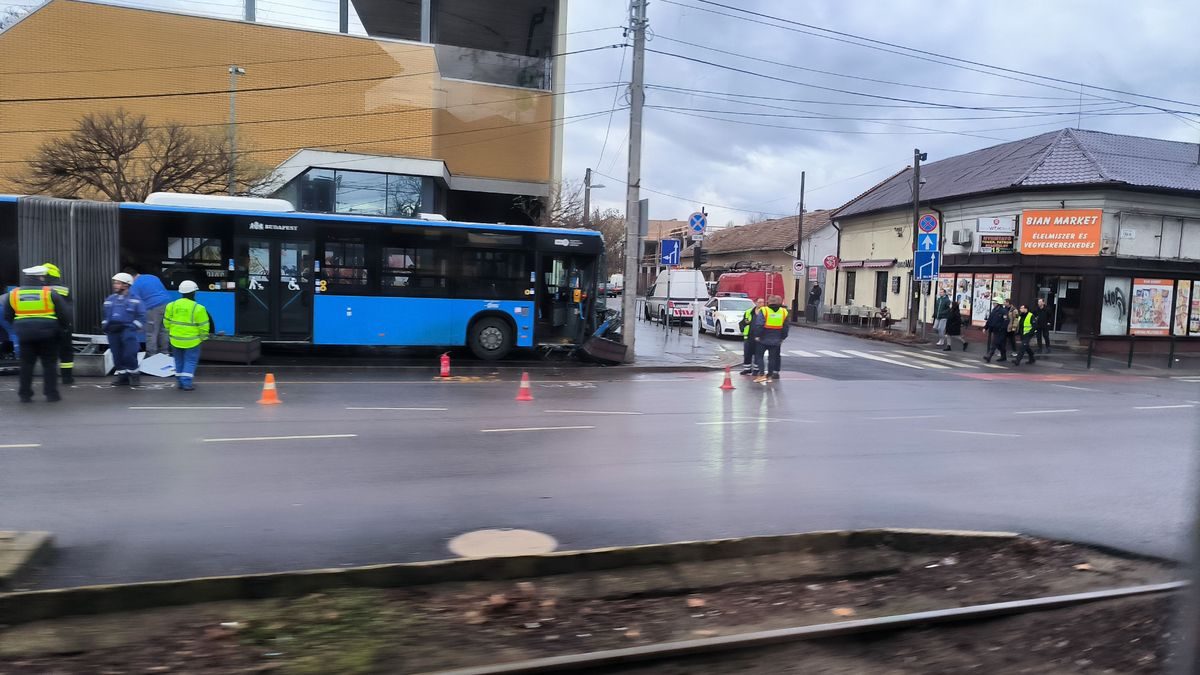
{"x": 1104, "y": 228}
{"x": 771, "y": 244}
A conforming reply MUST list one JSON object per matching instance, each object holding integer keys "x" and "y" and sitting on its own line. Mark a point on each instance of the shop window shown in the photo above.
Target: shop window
{"x": 850, "y": 288}
{"x": 1114, "y": 312}
{"x": 345, "y": 264}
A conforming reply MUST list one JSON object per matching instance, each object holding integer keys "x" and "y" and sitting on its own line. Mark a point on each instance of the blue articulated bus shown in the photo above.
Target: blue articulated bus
{"x": 326, "y": 279}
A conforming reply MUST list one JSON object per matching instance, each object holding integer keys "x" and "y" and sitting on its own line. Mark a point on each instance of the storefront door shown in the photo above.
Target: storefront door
{"x": 1062, "y": 296}
{"x": 275, "y": 295}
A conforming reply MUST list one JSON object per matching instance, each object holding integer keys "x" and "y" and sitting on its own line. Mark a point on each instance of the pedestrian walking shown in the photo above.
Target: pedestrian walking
{"x": 814, "y": 302}
{"x": 749, "y": 346}
{"x": 1014, "y": 325}
{"x": 1029, "y": 329}
{"x": 1044, "y": 320}
{"x": 187, "y": 323}
{"x": 38, "y": 316}
{"x": 124, "y": 316}
{"x": 941, "y": 313}
{"x": 769, "y": 329}
{"x": 66, "y": 337}
{"x": 150, "y": 290}
{"x": 954, "y": 326}
{"x": 996, "y": 328}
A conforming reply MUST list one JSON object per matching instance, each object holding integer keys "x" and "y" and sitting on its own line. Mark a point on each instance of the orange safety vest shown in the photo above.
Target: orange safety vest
{"x": 32, "y": 303}
{"x": 774, "y": 320}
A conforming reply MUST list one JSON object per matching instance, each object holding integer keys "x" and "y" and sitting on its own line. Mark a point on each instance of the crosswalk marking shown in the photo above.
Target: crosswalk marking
{"x": 1186, "y": 378}
{"x": 830, "y": 352}
{"x": 894, "y": 362}
{"x": 935, "y": 366}
{"x": 801, "y": 352}
{"x": 939, "y": 359}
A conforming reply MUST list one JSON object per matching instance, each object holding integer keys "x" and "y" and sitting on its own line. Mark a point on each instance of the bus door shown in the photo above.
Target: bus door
{"x": 275, "y": 289}
{"x": 564, "y": 295}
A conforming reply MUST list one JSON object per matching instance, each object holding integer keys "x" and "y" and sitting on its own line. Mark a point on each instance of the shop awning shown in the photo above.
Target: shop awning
{"x": 851, "y": 264}
{"x": 890, "y": 262}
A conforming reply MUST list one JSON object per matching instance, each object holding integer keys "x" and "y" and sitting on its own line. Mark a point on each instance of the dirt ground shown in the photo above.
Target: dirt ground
{"x": 421, "y": 629}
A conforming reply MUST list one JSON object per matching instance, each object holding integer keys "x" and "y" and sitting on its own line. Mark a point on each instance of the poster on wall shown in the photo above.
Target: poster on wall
{"x": 1114, "y": 315}
{"x": 962, "y": 293}
{"x": 946, "y": 285}
{"x": 1194, "y": 321}
{"x": 1150, "y": 308}
{"x": 981, "y": 303}
{"x": 1183, "y": 297}
{"x": 1002, "y": 287}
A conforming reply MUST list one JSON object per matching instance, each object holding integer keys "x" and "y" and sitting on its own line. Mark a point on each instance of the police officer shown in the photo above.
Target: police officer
{"x": 66, "y": 346}
{"x": 749, "y": 363}
{"x": 38, "y": 316}
{"x": 769, "y": 330}
{"x": 1028, "y": 329}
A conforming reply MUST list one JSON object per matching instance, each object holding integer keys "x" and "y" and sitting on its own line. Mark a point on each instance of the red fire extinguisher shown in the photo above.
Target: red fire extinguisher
{"x": 446, "y": 364}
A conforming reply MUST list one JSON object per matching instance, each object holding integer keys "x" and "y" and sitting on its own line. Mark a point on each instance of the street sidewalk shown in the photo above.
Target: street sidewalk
{"x": 1066, "y": 358}
{"x": 662, "y": 347}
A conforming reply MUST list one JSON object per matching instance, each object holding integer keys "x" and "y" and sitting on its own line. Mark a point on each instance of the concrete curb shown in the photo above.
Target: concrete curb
{"x": 21, "y": 550}
{"x": 24, "y": 607}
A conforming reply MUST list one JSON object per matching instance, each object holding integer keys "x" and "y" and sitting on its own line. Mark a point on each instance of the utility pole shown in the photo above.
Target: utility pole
{"x": 799, "y": 240}
{"x": 633, "y": 240}
{"x": 234, "y": 73}
{"x": 587, "y": 197}
{"x": 914, "y": 286}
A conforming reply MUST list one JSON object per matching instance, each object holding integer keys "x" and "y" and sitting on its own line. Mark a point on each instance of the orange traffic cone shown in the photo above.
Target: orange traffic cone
{"x": 727, "y": 385}
{"x": 524, "y": 393}
{"x": 269, "y": 395}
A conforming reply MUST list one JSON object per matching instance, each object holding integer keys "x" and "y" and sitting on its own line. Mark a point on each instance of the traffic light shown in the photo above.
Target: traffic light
{"x": 699, "y": 257}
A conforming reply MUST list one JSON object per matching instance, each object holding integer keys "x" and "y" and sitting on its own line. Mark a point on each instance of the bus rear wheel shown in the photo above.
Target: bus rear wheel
{"x": 490, "y": 338}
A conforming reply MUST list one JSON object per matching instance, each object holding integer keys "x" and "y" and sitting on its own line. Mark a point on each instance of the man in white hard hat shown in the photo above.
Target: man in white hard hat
{"x": 124, "y": 316}
{"x": 38, "y": 316}
{"x": 187, "y": 323}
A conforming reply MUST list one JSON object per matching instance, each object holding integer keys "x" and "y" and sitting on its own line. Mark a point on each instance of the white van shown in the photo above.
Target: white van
{"x": 671, "y": 297}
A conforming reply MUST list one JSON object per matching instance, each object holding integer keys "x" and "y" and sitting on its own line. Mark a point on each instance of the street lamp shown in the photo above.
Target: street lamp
{"x": 234, "y": 72}
{"x": 587, "y": 197}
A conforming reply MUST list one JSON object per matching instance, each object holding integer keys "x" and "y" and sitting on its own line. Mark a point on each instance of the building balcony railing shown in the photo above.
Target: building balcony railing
{"x": 478, "y": 65}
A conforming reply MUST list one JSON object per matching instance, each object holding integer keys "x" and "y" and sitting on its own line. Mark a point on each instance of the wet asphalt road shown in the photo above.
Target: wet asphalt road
{"x": 387, "y": 465}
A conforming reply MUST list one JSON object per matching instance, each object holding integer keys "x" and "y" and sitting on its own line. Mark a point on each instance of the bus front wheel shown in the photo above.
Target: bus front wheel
{"x": 490, "y": 338}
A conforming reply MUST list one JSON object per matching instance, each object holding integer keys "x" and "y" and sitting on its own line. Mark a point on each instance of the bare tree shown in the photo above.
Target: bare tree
{"x": 563, "y": 207}
{"x": 119, "y": 157}
{"x": 611, "y": 224}
{"x": 11, "y": 15}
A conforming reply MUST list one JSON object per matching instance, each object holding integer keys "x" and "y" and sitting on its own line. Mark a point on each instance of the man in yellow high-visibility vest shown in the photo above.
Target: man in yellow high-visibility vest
{"x": 769, "y": 329}
{"x": 187, "y": 324}
{"x": 38, "y": 316}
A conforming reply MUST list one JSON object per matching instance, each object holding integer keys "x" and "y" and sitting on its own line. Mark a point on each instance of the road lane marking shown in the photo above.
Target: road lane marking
{"x": 939, "y": 359}
{"x": 751, "y": 421}
{"x": 977, "y": 433}
{"x": 1067, "y": 386}
{"x": 593, "y": 412}
{"x": 894, "y": 362}
{"x": 907, "y": 417}
{"x": 801, "y": 352}
{"x": 1045, "y": 412}
{"x": 278, "y": 438}
{"x": 494, "y": 431}
{"x": 935, "y": 366}
{"x": 830, "y": 352}
{"x": 1163, "y": 407}
{"x": 14, "y": 446}
{"x": 186, "y": 407}
{"x": 384, "y": 408}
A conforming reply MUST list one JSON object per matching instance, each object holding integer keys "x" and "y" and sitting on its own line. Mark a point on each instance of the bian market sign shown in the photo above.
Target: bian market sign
{"x": 1061, "y": 232}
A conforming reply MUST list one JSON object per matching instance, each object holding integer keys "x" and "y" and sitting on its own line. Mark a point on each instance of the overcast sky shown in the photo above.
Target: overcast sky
{"x": 751, "y": 158}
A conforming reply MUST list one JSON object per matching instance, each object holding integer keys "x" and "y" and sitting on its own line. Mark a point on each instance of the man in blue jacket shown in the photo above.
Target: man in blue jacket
{"x": 150, "y": 290}
{"x": 124, "y": 316}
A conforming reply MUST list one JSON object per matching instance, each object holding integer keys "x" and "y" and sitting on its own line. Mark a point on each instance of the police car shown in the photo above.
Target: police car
{"x": 722, "y": 314}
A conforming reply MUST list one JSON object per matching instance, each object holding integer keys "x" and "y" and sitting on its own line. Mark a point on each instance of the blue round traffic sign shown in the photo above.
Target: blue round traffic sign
{"x": 698, "y": 221}
{"x": 927, "y": 223}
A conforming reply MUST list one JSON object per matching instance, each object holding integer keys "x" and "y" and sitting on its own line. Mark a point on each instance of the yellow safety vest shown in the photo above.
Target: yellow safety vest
{"x": 749, "y": 318}
{"x": 186, "y": 322}
{"x": 1028, "y": 324}
{"x": 32, "y": 303}
{"x": 62, "y": 290}
{"x": 774, "y": 319}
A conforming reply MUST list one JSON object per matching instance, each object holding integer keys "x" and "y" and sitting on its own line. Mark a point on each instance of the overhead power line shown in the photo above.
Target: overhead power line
{"x": 225, "y": 92}
{"x": 691, "y": 199}
{"x": 912, "y": 52}
{"x": 330, "y": 117}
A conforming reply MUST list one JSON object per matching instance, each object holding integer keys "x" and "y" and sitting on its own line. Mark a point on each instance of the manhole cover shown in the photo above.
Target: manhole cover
{"x": 501, "y": 542}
